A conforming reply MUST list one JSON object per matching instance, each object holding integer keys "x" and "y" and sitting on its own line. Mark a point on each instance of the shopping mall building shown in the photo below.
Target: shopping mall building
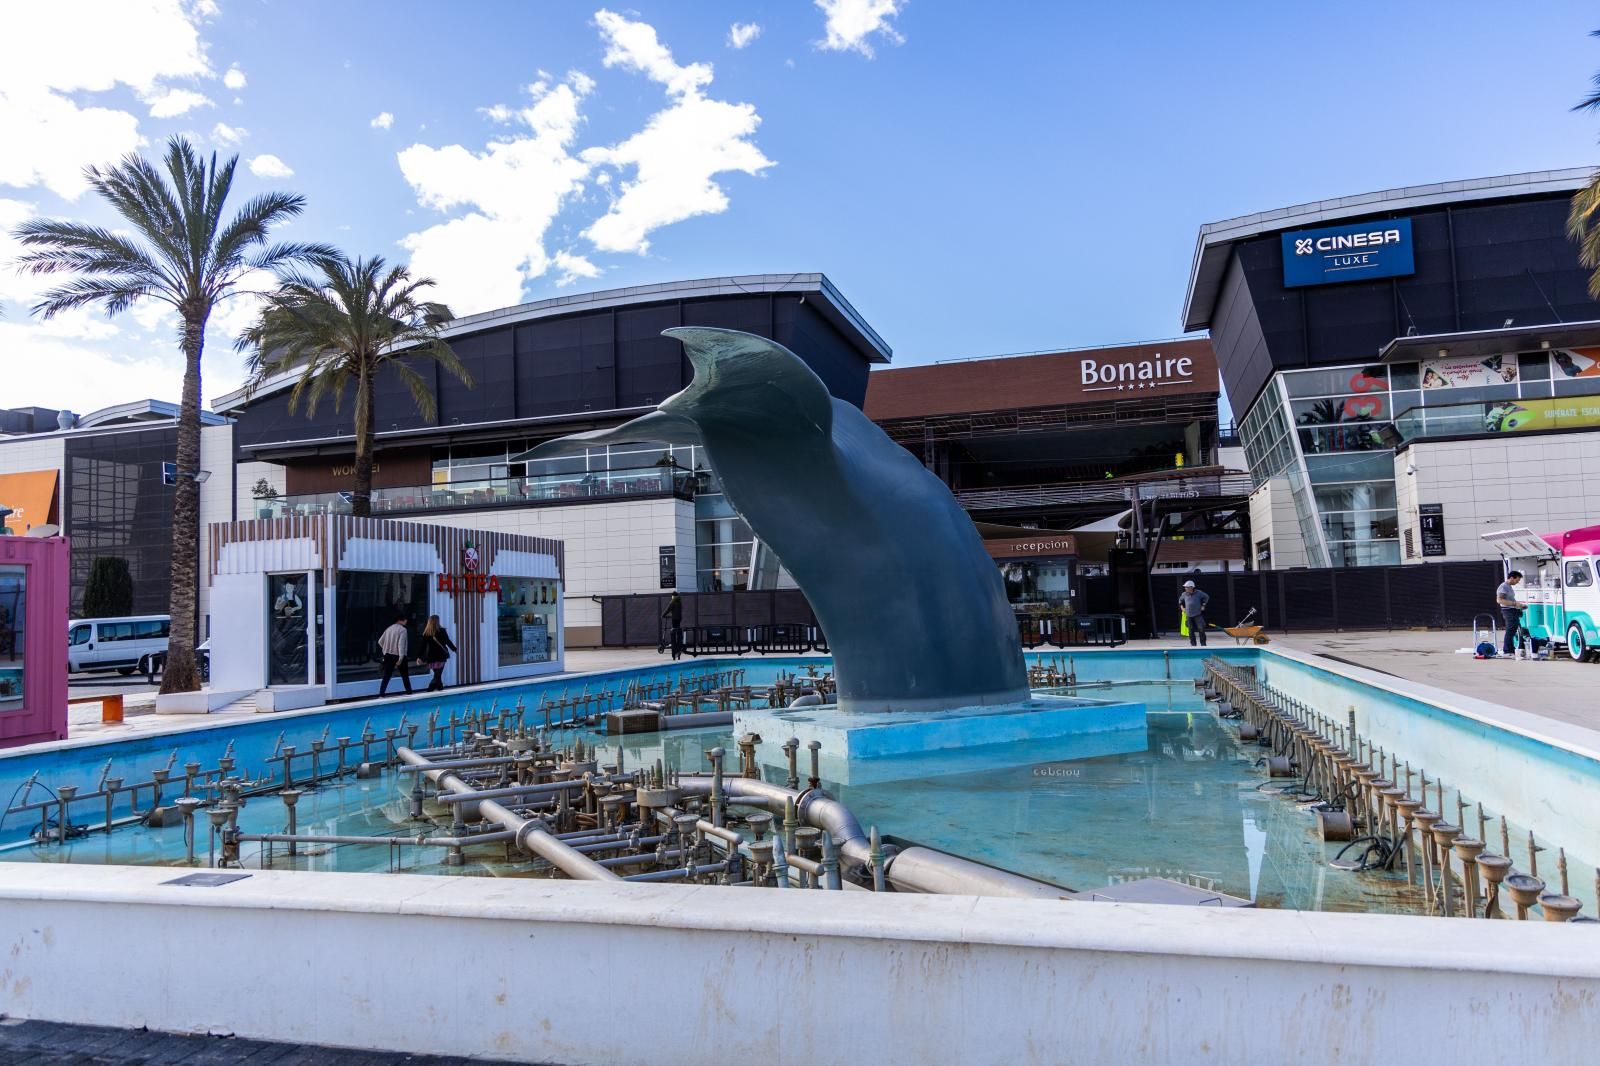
{"x": 1063, "y": 458}
{"x": 1414, "y": 368}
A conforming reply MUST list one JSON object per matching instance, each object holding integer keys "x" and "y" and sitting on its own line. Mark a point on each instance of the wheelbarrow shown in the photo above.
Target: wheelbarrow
{"x": 1241, "y": 631}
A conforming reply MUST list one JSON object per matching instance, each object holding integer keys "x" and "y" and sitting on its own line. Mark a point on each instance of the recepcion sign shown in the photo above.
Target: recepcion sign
{"x": 1431, "y": 517}
{"x": 1356, "y": 252}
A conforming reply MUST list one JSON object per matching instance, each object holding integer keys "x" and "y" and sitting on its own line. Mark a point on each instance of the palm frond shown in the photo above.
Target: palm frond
{"x": 114, "y": 294}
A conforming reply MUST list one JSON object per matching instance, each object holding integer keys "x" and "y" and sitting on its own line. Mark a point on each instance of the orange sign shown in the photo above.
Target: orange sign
{"x": 31, "y": 495}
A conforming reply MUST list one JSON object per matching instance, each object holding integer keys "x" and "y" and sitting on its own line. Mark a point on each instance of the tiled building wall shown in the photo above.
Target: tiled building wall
{"x": 1545, "y": 483}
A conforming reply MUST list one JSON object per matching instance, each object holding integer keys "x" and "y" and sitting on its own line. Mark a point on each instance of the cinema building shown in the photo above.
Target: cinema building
{"x": 1414, "y": 367}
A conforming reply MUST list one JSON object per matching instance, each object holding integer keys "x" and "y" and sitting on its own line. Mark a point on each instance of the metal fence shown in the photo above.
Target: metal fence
{"x": 1436, "y": 596}
{"x": 637, "y": 621}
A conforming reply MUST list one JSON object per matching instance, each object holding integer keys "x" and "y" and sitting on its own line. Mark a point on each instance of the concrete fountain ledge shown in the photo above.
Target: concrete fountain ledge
{"x": 508, "y": 970}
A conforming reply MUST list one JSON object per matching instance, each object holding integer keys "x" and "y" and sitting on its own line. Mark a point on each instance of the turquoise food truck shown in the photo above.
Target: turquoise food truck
{"x": 1560, "y": 585}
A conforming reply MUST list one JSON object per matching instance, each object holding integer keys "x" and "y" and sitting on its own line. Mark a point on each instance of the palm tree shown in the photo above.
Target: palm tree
{"x": 181, "y": 253}
{"x": 1583, "y": 217}
{"x": 344, "y": 324}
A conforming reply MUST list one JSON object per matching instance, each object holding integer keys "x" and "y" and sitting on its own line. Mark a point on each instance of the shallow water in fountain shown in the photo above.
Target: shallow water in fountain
{"x": 1187, "y": 807}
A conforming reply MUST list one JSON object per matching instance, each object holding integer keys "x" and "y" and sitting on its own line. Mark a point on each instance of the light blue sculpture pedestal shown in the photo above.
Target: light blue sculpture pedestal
{"x": 859, "y": 747}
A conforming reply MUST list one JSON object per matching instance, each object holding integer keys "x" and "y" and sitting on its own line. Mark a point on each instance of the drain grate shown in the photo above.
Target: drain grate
{"x": 207, "y": 880}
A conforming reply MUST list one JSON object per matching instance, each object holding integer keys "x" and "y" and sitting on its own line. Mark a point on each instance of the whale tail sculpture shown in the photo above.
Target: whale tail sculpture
{"x": 914, "y": 608}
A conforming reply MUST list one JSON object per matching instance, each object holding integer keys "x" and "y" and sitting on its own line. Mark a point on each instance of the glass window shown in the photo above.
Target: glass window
{"x": 1362, "y": 496}
{"x": 286, "y": 629}
{"x": 79, "y": 635}
{"x": 368, "y": 603}
{"x": 1403, "y": 376}
{"x": 1365, "y": 553}
{"x": 13, "y": 628}
{"x": 1578, "y": 575}
{"x": 110, "y": 631}
{"x": 1342, "y": 381}
{"x": 527, "y": 620}
{"x": 1535, "y": 366}
{"x": 153, "y": 630}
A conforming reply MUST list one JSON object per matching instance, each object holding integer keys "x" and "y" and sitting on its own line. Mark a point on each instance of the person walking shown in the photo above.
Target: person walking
{"x": 436, "y": 649}
{"x": 393, "y": 644}
{"x": 1192, "y": 602}
{"x": 674, "y": 615}
{"x": 1505, "y": 597}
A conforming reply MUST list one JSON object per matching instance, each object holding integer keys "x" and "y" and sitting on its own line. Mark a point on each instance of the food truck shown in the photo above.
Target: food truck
{"x": 1560, "y": 585}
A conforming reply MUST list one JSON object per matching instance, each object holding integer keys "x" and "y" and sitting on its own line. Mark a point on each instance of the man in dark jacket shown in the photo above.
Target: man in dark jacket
{"x": 674, "y": 614}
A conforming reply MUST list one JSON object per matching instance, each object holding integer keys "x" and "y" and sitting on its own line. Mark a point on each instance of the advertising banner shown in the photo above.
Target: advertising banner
{"x": 1469, "y": 371}
{"x": 1524, "y": 416}
{"x": 1575, "y": 363}
{"x": 1358, "y": 252}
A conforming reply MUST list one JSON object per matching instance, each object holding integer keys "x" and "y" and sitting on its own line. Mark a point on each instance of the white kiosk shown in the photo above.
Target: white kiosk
{"x": 297, "y": 604}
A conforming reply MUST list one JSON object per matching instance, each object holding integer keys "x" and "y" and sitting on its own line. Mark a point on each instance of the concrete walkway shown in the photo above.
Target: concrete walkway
{"x": 1558, "y": 688}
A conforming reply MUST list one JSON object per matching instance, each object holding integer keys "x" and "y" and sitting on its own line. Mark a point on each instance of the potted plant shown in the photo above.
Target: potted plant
{"x": 263, "y": 490}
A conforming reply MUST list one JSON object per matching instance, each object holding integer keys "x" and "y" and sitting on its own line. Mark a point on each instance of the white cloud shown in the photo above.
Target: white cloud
{"x": 849, "y": 23}
{"x": 742, "y": 33}
{"x": 508, "y": 195}
{"x": 234, "y": 78}
{"x": 679, "y": 152}
{"x": 48, "y": 135}
{"x": 515, "y": 188}
{"x": 634, "y": 46}
{"x": 175, "y": 102}
{"x": 270, "y": 166}
{"x": 227, "y": 135}
{"x": 383, "y": 121}
{"x": 572, "y": 267}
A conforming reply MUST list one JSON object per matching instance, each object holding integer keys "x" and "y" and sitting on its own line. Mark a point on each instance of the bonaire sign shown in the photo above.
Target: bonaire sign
{"x": 1133, "y": 374}
{"x": 1357, "y": 252}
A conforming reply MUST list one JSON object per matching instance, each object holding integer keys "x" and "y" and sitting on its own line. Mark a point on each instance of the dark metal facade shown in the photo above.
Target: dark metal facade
{"x": 566, "y": 368}
{"x": 1478, "y": 264}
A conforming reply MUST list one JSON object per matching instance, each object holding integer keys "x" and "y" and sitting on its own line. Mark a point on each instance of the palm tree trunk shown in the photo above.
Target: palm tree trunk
{"x": 180, "y": 674}
{"x": 361, "y": 502}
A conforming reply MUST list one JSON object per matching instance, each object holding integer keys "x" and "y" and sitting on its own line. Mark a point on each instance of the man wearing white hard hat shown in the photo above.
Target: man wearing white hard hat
{"x": 1192, "y": 602}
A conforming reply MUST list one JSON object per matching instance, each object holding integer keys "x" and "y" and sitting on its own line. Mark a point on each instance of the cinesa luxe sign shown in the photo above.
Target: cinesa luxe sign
{"x": 1348, "y": 253}
{"x": 1152, "y": 373}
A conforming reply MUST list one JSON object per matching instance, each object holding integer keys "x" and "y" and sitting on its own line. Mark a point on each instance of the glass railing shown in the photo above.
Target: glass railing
{"x": 500, "y": 492}
{"x": 1499, "y": 416}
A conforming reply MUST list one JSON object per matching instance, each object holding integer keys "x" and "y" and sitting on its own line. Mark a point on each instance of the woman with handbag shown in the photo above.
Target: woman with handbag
{"x": 435, "y": 651}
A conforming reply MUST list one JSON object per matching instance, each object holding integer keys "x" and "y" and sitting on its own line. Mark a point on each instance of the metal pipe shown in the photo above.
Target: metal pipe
{"x": 679, "y": 873}
{"x": 513, "y": 791}
{"x": 927, "y": 871}
{"x": 444, "y": 842}
{"x": 529, "y": 835}
{"x": 921, "y": 869}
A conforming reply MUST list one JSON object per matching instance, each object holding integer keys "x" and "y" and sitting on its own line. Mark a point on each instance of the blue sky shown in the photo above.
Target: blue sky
{"x": 977, "y": 179}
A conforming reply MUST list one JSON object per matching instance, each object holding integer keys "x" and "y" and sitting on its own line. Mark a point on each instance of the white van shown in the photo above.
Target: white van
{"x": 115, "y": 643}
